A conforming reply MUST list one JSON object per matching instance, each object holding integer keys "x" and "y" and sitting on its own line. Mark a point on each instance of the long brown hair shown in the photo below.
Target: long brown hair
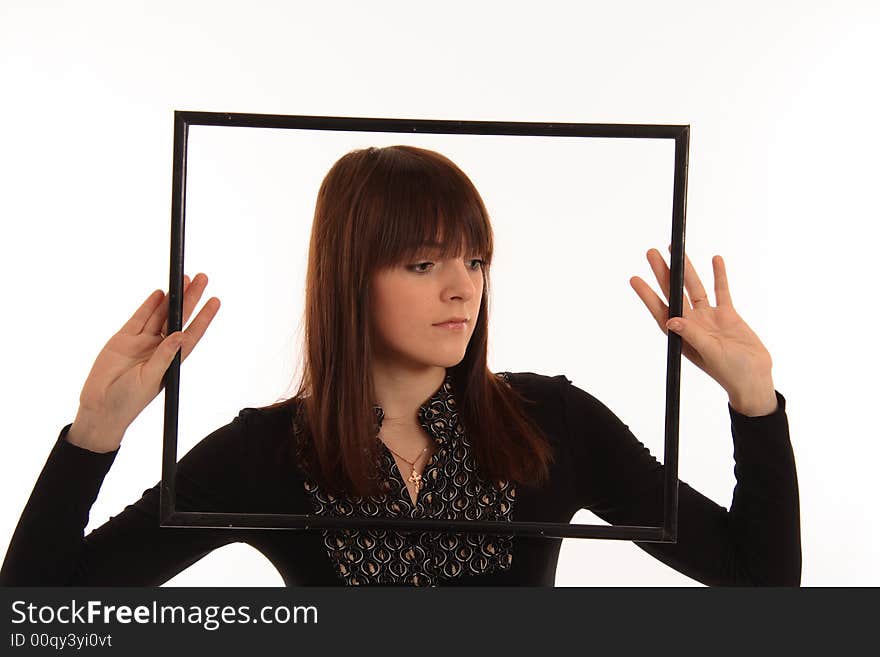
{"x": 376, "y": 208}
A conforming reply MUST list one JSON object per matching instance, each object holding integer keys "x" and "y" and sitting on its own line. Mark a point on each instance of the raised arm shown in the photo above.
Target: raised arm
{"x": 756, "y": 542}
{"x": 48, "y": 547}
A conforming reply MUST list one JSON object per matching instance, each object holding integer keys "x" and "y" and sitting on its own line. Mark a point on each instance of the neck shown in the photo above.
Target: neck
{"x": 401, "y": 392}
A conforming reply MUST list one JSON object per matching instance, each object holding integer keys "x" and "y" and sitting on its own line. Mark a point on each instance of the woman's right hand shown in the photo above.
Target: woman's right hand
{"x": 127, "y": 374}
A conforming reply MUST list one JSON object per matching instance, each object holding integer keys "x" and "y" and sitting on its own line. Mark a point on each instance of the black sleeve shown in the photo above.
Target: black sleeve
{"x": 757, "y": 542}
{"x": 48, "y": 547}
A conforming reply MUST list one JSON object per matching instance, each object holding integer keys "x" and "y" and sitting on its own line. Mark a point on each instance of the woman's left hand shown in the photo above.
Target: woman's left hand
{"x": 716, "y": 340}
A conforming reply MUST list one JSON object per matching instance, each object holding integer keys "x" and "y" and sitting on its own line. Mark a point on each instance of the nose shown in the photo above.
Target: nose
{"x": 460, "y": 284}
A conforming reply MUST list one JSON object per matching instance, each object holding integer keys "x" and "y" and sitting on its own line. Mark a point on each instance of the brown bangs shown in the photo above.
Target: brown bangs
{"x": 416, "y": 200}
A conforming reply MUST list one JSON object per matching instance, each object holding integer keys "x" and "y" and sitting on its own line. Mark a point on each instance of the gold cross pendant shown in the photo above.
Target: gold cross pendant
{"x": 415, "y": 478}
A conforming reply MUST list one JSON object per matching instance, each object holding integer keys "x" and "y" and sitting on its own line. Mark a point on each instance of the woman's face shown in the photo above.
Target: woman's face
{"x": 411, "y": 299}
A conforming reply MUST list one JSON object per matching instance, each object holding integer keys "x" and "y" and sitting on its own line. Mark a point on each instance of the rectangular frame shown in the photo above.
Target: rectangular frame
{"x": 667, "y": 533}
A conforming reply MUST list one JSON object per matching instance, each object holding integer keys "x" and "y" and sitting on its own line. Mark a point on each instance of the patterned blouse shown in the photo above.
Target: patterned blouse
{"x": 451, "y": 490}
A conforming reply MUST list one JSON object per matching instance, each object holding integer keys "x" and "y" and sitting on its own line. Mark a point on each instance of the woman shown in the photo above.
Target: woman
{"x": 397, "y": 415}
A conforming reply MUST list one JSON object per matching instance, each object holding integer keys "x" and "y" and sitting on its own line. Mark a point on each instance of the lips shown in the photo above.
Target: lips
{"x": 452, "y": 320}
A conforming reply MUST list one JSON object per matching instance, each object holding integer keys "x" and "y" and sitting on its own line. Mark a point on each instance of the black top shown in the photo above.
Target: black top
{"x": 245, "y": 467}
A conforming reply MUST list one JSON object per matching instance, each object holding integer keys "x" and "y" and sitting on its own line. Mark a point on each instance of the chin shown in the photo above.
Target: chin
{"x": 435, "y": 356}
{"x": 446, "y": 362}
{"x": 456, "y": 360}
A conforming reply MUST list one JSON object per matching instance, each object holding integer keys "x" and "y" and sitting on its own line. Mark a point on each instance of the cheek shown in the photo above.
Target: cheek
{"x": 398, "y": 310}
{"x": 398, "y": 320}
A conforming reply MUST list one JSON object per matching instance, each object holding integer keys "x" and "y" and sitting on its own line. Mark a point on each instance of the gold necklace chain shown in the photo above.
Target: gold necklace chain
{"x": 414, "y": 477}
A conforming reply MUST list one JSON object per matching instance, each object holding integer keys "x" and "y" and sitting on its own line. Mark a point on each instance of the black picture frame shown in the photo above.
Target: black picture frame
{"x": 666, "y": 533}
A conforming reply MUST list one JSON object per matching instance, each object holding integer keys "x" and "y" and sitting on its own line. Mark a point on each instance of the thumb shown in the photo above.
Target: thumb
{"x": 163, "y": 356}
{"x": 689, "y": 332}
{"x": 677, "y": 325}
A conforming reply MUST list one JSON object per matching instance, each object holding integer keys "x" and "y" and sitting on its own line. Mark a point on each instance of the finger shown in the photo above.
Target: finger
{"x": 191, "y": 298}
{"x": 663, "y": 275}
{"x": 192, "y": 291}
{"x": 693, "y": 283}
{"x": 722, "y": 290}
{"x": 194, "y": 332}
{"x": 154, "y": 321}
{"x": 136, "y": 322}
{"x": 659, "y": 310}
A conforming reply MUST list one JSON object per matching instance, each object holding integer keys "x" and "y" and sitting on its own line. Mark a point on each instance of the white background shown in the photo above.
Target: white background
{"x": 782, "y": 183}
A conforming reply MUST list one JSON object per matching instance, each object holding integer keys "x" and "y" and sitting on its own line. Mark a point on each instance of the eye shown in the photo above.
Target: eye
{"x": 421, "y": 267}
{"x": 415, "y": 268}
